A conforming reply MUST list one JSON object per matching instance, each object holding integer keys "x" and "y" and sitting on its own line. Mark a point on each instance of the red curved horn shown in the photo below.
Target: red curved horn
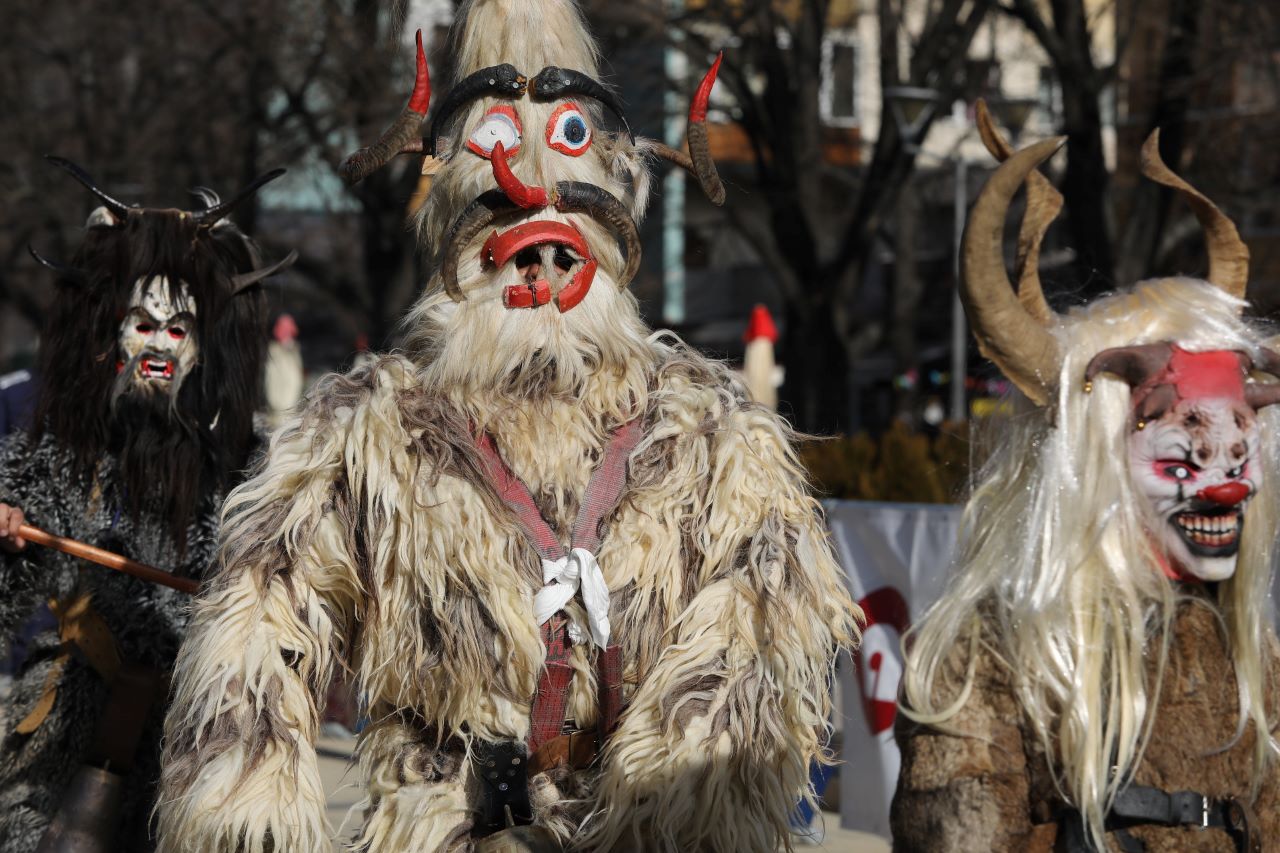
{"x": 420, "y": 100}
{"x": 523, "y": 195}
{"x": 698, "y": 107}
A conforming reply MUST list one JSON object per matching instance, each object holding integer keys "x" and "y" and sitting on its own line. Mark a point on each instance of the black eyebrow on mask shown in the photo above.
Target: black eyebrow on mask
{"x": 552, "y": 83}
{"x": 496, "y": 81}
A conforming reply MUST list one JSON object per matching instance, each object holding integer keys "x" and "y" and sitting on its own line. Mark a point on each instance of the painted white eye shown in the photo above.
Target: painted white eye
{"x": 500, "y": 124}
{"x": 567, "y": 131}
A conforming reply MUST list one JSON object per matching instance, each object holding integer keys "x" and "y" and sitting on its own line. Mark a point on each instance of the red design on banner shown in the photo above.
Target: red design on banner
{"x": 882, "y": 607}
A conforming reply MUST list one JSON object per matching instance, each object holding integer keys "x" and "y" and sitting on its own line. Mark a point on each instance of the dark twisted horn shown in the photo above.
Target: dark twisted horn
{"x": 1007, "y": 334}
{"x": 553, "y": 82}
{"x": 75, "y": 276}
{"x": 699, "y": 161}
{"x": 118, "y": 209}
{"x": 496, "y": 81}
{"x": 245, "y": 281}
{"x": 400, "y": 135}
{"x": 1228, "y": 255}
{"x": 1044, "y": 203}
{"x": 475, "y": 218}
{"x": 209, "y": 217}
{"x": 578, "y": 197}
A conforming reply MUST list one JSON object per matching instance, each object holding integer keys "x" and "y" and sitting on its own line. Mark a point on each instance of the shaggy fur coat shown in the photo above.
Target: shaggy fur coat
{"x": 369, "y": 540}
{"x": 991, "y": 789}
{"x": 146, "y": 620}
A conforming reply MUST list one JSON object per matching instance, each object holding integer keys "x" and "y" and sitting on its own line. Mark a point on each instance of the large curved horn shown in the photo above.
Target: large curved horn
{"x": 74, "y": 276}
{"x": 118, "y": 209}
{"x": 399, "y": 135}
{"x": 1044, "y": 203}
{"x": 1134, "y": 364}
{"x": 1007, "y": 334}
{"x": 1228, "y": 255}
{"x": 475, "y": 218}
{"x": 496, "y": 81}
{"x": 209, "y": 217}
{"x": 552, "y": 83}
{"x": 698, "y": 161}
{"x": 578, "y": 197}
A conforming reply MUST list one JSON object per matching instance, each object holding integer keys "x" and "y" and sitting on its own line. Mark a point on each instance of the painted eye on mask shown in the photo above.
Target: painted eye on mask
{"x": 1175, "y": 471}
{"x": 144, "y": 328}
{"x": 500, "y": 124}
{"x": 567, "y": 131}
{"x": 177, "y": 332}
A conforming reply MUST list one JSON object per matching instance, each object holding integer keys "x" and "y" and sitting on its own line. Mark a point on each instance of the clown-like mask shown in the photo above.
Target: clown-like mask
{"x": 157, "y": 341}
{"x": 1190, "y": 452}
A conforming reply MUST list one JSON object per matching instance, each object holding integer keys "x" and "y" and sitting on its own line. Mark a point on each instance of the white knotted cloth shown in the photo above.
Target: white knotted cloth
{"x": 564, "y": 578}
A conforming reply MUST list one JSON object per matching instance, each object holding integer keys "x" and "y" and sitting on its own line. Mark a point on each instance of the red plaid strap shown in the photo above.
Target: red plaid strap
{"x": 546, "y": 717}
{"x": 515, "y": 494}
{"x": 605, "y": 489}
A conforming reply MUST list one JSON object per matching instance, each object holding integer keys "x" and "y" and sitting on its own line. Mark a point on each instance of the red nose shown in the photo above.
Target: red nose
{"x": 1227, "y": 494}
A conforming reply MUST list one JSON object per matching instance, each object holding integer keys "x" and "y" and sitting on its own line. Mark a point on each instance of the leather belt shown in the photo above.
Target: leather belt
{"x": 1139, "y": 805}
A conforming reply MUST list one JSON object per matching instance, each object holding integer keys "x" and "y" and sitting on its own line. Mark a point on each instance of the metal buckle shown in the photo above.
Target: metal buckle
{"x": 1204, "y": 812}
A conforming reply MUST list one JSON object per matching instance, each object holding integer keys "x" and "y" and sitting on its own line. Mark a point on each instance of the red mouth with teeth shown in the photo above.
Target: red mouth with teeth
{"x": 155, "y": 368}
{"x": 540, "y": 248}
{"x": 1210, "y": 533}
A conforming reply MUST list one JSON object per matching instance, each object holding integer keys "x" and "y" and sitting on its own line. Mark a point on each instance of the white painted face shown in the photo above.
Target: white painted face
{"x": 157, "y": 340}
{"x": 1194, "y": 464}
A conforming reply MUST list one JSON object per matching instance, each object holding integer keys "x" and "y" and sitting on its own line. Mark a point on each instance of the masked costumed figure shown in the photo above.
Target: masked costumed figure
{"x": 578, "y": 578}
{"x": 151, "y": 363}
{"x": 1101, "y": 674}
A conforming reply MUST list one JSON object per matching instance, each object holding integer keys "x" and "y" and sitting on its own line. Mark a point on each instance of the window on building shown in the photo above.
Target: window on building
{"x": 838, "y": 95}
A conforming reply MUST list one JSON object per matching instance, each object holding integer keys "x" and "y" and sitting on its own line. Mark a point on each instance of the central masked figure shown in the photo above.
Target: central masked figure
{"x": 582, "y": 587}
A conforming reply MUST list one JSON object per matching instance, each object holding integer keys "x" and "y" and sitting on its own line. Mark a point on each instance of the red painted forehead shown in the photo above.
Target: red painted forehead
{"x": 1214, "y": 375}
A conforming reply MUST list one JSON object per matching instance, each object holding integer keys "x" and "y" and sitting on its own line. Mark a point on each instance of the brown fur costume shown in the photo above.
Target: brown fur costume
{"x": 990, "y": 788}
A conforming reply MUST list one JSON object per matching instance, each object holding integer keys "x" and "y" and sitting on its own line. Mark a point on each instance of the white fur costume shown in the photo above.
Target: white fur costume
{"x": 369, "y": 540}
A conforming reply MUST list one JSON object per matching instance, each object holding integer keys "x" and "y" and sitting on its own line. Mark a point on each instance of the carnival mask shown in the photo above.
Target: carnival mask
{"x": 550, "y": 261}
{"x": 1194, "y": 433}
{"x": 157, "y": 340}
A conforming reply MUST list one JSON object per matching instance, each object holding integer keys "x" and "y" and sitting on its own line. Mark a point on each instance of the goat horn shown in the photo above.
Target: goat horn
{"x": 474, "y": 219}
{"x": 552, "y": 82}
{"x": 74, "y": 276}
{"x": 243, "y": 282}
{"x": 1044, "y": 203}
{"x": 118, "y": 209}
{"x": 1006, "y": 332}
{"x": 1259, "y": 394}
{"x": 1228, "y": 255}
{"x": 698, "y": 162}
{"x": 399, "y": 135}
{"x": 578, "y": 197}
{"x": 210, "y": 216}
{"x": 496, "y": 81}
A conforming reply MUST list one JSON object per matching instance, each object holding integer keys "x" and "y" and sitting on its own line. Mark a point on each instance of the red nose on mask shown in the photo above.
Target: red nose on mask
{"x": 1226, "y": 494}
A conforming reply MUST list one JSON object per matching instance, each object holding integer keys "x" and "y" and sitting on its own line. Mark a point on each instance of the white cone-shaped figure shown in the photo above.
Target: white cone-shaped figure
{"x": 759, "y": 370}
{"x": 285, "y": 379}
{"x": 404, "y": 521}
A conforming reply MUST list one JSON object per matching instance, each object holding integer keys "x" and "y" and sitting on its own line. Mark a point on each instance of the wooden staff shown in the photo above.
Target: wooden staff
{"x": 105, "y": 558}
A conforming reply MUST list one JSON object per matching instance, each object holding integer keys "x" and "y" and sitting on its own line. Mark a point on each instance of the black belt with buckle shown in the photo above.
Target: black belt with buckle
{"x": 1138, "y": 805}
{"x": 502, "y": 770}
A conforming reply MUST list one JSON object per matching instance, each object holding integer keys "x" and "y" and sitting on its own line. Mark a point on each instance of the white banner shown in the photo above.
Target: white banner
{"x": 895, "y": 558}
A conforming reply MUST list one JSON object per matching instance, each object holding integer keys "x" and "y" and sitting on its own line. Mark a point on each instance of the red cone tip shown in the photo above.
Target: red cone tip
{"x": 698, "y": 109}
{"x": 285, "y": 329}
{"x": 421, "y": 98}
{"x": 522, "y": 194}
{"x": 761, "y": 326}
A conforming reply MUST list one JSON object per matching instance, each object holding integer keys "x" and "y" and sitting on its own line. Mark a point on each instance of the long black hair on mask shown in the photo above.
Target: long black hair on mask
{"x": 171, "y": 450}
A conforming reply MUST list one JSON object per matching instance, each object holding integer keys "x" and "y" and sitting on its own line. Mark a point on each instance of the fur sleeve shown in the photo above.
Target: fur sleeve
{"x": 240, "y": 769}
{"x": 966, "y": 788}
{"x": 33, "y": 575}
{"x": 714, "y": 749}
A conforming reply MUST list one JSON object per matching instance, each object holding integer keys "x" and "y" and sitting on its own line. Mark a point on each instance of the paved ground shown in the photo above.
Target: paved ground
{"x": 341, "y": 780}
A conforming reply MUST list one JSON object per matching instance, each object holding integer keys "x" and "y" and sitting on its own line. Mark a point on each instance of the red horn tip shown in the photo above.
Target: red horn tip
{"x": 421, "y": 98}
{"x": 521, "y": 194}
{"x": 698, "y": 109}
